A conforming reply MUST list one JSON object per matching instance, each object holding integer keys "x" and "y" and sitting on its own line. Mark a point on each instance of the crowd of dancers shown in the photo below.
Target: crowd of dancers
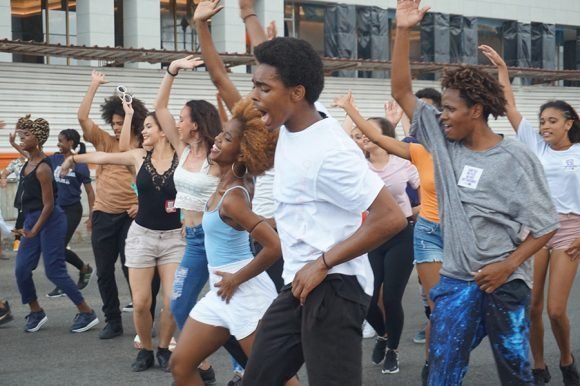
{"x": 284, "y": 249}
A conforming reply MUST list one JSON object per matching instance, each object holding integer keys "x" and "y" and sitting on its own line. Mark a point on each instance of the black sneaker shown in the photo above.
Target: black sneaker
{"x": 236, "y": 380}
{"x": 144, "y": 360}
{"x": 128, "y": 308}
{"x": 541, "y": 376}
{"x": 207, "y": 376}
{"x": 84, "y": 321}
{"x": 570, "y": 374}
{"x": 425, "y": 374}
{"x": 163, "y": 355}
{"x": 85, "y": 277}
{"x": 111, "y": 330}
{"x": 35, "y": 320}
{"x": 391, "y": 364}
{"x": 55, "y": 293}
{"x": 5, "y": 313}
{"x": 379, "y": 350}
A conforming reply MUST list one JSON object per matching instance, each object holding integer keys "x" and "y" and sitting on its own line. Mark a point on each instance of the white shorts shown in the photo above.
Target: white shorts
{"x": 246, "y": 307}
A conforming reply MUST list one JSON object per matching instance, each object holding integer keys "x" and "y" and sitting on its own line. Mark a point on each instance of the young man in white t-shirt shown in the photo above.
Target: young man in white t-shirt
{"x": 321, "y": 187}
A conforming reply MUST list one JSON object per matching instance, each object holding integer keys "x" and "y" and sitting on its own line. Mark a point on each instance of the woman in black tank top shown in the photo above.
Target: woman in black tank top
{"x": 154, "y": 241}
{"x": 43, "y": 232}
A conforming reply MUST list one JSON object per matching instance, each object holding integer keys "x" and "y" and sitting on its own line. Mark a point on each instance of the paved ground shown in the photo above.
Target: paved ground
{"x": 53, "y": 356}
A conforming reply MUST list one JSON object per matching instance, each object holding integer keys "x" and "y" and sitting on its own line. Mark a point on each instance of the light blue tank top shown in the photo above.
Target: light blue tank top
{"x": 224, "y": 244}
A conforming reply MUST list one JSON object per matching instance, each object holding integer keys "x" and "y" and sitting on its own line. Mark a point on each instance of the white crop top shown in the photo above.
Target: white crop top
{"x": 193, "y": 188}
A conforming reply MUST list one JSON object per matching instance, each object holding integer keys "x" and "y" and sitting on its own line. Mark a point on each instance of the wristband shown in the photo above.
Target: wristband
{"x": 171, "y": 73}
{"x": 247, "y": 16}
{"x": 324, "y": 262}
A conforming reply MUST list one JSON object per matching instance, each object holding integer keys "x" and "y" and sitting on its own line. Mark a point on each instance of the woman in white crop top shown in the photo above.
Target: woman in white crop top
{"x": 557, "y": 145}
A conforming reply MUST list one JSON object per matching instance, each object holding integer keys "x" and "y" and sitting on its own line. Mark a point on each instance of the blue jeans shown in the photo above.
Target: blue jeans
{"x": 464, "y": 315}
{"x": 190, "y": 277}
{"x": 427, "y": 241}
{"x": 49, "y": 242}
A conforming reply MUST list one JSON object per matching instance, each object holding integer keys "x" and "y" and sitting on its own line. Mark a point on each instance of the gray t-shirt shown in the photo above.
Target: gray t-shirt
{"x": 488, "y": 200}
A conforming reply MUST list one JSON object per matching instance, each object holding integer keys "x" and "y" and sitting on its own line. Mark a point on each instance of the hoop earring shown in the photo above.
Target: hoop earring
{"x": 234, "y": 171}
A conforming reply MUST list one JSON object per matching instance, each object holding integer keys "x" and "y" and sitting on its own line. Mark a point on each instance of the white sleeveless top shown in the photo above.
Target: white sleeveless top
{"x": 193, "y": 188}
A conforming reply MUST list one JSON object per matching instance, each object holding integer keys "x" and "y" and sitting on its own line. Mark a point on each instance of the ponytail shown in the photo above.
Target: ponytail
{"x": 82, "y": 148}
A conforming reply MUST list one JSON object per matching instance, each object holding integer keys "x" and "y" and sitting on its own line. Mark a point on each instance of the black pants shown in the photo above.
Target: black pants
{"x": 325, "y": 333}
{"x": 73, "y": 214}
{"x": 392, "y": 264}
{"x": 275, "y": 270}
{"x": 108, "y": 239}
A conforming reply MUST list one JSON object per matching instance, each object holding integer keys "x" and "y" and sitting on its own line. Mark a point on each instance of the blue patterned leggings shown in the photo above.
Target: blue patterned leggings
{"x": 464, "y": 315}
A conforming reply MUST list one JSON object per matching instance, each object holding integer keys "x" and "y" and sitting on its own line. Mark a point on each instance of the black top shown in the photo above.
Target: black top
{"x": 156, "y": 194}
{"x": 30, "y": 190}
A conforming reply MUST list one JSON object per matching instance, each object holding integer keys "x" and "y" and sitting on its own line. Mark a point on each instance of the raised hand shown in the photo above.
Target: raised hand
{"x": 98, "y": 78}
{"x": 271, "y": 31}
{"x": 492, "y": 55}
{"x": 344, "y": 100}
{"x": 408, "y": 13}
{"x": 127, "y": 107}
{"x": 2, "y": 124}
{"x": 393, "y": 112}
{"x": 206, "y": 9}
{"x": 12, "y": 138}
{"x": 188, "y": 63}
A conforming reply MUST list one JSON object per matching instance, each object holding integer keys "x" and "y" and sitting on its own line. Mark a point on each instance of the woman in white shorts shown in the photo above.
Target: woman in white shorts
{"x": 240, "y": 290}
{"x": 154, "y": 240}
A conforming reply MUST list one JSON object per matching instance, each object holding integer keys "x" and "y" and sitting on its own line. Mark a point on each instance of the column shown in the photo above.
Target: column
{"x": 95, "y": 24}
{"x": 517, "y": 39}
{"x": 142, "y": 27}
{"x": 229, "y": 32}
{"x": 268, "y": 11}
{"x": 435, "y": 38}
{"x": 5, "y": 27}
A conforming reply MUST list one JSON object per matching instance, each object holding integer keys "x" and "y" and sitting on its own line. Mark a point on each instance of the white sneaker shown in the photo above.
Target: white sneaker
{"x": 368, "y": 331}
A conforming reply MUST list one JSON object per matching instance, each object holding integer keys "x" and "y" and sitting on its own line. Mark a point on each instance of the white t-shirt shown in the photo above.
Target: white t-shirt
{"x": 562, "y": 168}
{"x": 263, "y": 202}
{"x": 321, "y": 187}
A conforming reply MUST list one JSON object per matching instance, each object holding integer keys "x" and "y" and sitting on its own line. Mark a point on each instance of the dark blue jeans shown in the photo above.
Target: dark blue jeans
{"x": 49, "y": 242}
{"x": 464, "y": 315}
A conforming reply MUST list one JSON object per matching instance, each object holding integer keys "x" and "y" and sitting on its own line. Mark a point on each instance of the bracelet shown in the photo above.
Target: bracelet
{"x": 247, "y": 16}
{"x": 324, "y": 262}
{"x": 171, "y": 73}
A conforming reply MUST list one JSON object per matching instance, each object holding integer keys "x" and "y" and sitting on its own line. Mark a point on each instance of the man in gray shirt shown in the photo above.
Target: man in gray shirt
{"x": 495, "y": 210}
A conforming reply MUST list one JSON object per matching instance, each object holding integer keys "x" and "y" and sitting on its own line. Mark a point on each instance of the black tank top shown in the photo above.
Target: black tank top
{"x": 30, "y": 189}
{"x": 156, "y": 194}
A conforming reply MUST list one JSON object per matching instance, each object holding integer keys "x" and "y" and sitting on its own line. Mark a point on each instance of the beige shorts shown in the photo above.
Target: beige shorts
{"x": 569, "y": 230}
{"x": 146, "y": 248}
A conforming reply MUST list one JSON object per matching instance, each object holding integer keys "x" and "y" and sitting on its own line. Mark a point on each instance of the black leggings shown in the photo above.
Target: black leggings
{"x": 73, "y": 214}
{"x": 392, "y": 264}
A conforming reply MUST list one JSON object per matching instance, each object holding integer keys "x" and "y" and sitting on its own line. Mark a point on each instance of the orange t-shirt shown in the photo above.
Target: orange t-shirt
{"x": 113, "y": 192}
{"x": 423, "y": 161}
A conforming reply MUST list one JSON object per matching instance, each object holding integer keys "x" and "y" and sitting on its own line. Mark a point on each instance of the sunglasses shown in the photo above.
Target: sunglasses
{"x": 123, "y": 94}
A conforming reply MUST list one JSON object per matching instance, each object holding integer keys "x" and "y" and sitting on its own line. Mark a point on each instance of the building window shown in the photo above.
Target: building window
{"x": 305, "y": 21}
{"x": 489, "y": 33}
{"x": 176, "y": 31}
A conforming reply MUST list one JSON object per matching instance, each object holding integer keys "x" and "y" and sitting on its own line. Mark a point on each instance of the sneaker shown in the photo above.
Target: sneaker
{"x": 144, "y": 361}
{"x": 111, "y": 330}
{"x": 391, "y": 365}
{"x": 541, "y": 376}
{"x": 35, "y": 320}
{"x": 207, "y": 376}
{"x": 85, "y": 277}
{"x": 163, "y": 356}
{"x": 368, "y": 330}
{"x": 137, "y": 342}
{"x": 236, "y": 380}
{"x": 172, "y": 344}
{"x": 15, "y": 245}
{"x": 128, "y": 307}
{"x": 570, "y": 374}
{"x": 5, "y": 313}
{"x": 379, "y": 350}
{"x": 425, "y": 374}
{"x": 55, "y": 293}
{"x": 419, "y": 337}
{"x": 84, "y": 321}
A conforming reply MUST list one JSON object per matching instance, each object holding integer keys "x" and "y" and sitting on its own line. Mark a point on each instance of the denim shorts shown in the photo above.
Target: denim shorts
{"x": 427, "y": 241}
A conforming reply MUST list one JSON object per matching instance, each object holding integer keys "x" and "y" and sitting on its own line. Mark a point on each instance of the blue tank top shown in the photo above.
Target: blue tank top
{"x": 224, "y": 244}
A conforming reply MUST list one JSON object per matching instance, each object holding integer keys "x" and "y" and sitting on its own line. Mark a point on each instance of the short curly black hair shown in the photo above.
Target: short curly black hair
{"x": 430, "y": 93}
{"x": 476, "y": 87}
{"x": 296, "y": 62}
{"x": 113, "y": 105}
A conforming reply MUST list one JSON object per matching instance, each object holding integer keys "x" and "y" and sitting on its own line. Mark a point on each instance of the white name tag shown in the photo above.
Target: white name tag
{"x": 470, "y": 177}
